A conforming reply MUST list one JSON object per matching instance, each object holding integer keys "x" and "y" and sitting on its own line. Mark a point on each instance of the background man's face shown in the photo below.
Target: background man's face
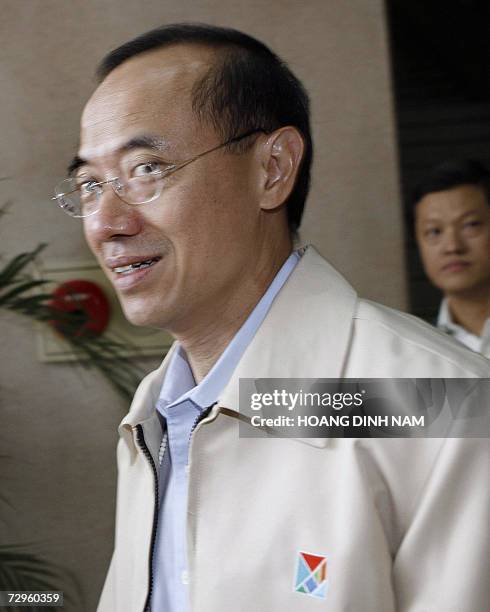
{"x": 198, "y": 235}
{"x": 453, "y": 233}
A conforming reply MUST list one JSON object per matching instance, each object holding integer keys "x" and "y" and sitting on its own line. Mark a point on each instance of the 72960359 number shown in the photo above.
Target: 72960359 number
{"x": 31, "y": 598}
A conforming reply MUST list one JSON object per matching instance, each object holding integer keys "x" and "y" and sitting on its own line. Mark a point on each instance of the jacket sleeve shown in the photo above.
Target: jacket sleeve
{"x": 442, "y": 563}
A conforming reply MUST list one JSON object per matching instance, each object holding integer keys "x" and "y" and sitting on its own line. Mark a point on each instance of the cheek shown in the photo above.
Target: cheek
{"x": 89, "y": 236}
{"x": 207, "y": 211}
{"x": 182, "y": 218}
{"x": 481, "y": 251}
{"x": 482, "y": 242}
{"x": 429, "y": 256}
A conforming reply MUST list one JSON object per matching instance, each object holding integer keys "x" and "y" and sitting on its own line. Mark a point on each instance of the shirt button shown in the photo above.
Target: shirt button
{"x": 185, "y": 577}
{"x": 187, "y": 469}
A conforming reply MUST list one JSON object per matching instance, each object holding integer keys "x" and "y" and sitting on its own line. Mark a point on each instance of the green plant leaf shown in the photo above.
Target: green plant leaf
{"x": 17, "y": 264}
{"x": 21, "y": 287}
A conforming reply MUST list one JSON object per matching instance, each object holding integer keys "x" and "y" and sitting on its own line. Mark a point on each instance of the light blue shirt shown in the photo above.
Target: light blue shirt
{"x": 180, "y": 405}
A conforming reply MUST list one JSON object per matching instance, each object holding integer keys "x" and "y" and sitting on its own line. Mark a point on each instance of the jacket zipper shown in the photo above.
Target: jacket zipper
{"x": 141, "y": 441}
{"x": 202, "y": 415}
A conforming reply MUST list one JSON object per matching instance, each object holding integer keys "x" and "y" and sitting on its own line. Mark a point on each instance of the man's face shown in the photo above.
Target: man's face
{"x": 453, "y": 233}
{"x": 197, "y": 237}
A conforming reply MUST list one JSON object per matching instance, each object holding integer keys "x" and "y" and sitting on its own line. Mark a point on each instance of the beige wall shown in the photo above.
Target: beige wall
{"x": 59, "y": 422}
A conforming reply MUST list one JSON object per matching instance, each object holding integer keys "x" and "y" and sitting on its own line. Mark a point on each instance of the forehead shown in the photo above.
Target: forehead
{"x": 452, "y": 203}
{"x": 148, "y": 93}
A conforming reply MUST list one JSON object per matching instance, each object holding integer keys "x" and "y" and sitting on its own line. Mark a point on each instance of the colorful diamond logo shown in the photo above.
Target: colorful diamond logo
{"x": 311, "y": 575}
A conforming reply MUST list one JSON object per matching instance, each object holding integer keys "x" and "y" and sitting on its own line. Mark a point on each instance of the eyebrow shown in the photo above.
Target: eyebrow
{"x": 75, "y": 163}
{"x": 144, "y": 141}
{"x": 468, "y": 213}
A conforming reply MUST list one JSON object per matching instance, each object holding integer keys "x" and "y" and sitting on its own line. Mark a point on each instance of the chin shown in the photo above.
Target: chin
{"x": 141, "y": 317}
{"x": 138, "y": 320}
{"x": 144, "y": 316}
{"x": 457, "y": 287}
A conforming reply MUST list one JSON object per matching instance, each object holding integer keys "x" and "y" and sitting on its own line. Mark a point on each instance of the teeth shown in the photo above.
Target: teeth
{"x": 135, "y": 266}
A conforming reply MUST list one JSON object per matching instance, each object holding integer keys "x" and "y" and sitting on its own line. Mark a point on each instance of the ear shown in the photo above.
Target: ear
{"x": 282, "y": 155}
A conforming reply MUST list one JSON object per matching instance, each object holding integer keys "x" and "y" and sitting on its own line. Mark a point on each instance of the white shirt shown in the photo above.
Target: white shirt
{"x": 479, "y": 344}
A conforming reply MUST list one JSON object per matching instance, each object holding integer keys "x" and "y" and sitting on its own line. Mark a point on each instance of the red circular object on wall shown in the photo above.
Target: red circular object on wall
{"x": 85, "y": 296}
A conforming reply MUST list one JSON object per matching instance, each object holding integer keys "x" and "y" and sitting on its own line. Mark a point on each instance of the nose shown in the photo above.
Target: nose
{"x": 113, "y": 219}
{"x": 454, "y": 241}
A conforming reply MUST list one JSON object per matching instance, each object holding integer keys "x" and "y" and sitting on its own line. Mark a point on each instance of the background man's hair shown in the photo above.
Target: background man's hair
{"x": 248, "y": 87}
{"x": 454, "y": 173}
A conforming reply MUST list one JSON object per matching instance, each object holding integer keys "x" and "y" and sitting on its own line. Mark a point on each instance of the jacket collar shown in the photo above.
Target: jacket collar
{"x": 305, "y": 334}
{"x": 143, "y": 406}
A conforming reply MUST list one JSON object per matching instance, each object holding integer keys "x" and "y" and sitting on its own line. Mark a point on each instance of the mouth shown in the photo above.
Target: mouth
{"x": 128, "y": 272}
{"x": 455, "y": 266}
{"x": 137, "y": 265}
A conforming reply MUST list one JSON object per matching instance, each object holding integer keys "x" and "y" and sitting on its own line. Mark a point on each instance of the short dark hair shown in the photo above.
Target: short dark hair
{"x": 453, "y": 173}
{"x": 248, "y": 87}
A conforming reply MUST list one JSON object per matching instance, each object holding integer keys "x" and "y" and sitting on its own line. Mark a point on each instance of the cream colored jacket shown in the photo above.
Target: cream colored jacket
{"x": 403, "y": 523}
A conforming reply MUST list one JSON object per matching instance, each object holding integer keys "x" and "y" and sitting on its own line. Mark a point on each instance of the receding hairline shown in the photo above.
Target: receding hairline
{"x": 161, "y": 63}
{"x": 188, "y": 67}
{"x": 185, "y": 70}
{"x": 217, "y": 53}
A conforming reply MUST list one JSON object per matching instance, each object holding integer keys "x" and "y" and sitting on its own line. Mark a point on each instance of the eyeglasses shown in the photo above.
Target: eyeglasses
{"x": 80, "y": 197}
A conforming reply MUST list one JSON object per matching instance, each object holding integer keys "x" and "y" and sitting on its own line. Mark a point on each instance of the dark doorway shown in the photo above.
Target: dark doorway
{"x": 440, "y": 55}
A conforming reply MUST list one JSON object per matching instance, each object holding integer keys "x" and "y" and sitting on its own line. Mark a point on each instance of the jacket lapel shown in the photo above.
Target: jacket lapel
{"x": 142, "y": 411}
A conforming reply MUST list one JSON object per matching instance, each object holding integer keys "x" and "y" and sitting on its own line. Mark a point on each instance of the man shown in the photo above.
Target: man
{"x": 452, "y": 227}
{"x": 196, "y": 236}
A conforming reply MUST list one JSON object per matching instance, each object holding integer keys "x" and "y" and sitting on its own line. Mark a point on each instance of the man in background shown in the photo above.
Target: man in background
{"x": 452, "y": 228}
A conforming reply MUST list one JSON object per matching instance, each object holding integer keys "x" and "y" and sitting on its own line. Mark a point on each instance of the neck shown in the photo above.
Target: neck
{"x": 206, "y": 339}
{"x": 471, "y": 312}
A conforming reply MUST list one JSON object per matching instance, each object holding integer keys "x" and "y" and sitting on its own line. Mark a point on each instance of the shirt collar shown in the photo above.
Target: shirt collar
{"x": 179, "y": 384}
{"x": 444, "y": 319}
{"x": 445, "y": 322}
